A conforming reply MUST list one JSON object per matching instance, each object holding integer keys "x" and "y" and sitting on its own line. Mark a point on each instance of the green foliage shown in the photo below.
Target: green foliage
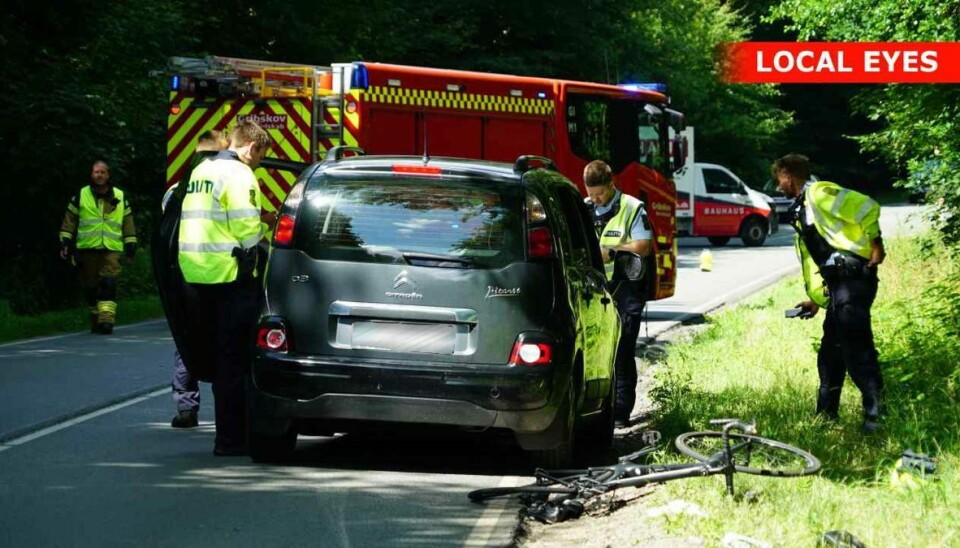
{"x": 15, "y": 326}
{"x": 919, "y": 121}
{"x": 737, "y": 125}
{"x": 753, "y": 363}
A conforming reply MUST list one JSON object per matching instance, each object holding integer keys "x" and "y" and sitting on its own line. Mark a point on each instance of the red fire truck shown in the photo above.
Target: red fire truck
{"x": 392, "y": 109}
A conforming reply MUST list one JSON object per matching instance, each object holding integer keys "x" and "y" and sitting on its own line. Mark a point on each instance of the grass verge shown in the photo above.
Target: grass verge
{"x": 751, "y": 362}
{"x": 14, "y": 327}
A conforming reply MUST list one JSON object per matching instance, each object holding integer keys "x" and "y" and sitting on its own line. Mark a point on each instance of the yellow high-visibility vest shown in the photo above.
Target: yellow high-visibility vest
{"x": 221, "y": 211}
{"x": 846, "y": 219}
{"x": 617, "y": 229}
{"x": 97, "y": 229}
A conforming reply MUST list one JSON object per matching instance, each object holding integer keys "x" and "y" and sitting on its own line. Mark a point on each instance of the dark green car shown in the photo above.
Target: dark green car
{"x": 440, "y": 291}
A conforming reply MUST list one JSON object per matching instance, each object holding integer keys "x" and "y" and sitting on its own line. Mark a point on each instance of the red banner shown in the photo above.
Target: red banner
{"x": 842, "y": 62}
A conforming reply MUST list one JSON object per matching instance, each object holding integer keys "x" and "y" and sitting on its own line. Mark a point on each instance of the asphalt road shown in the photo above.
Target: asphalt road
{"x": 87, "y": 456}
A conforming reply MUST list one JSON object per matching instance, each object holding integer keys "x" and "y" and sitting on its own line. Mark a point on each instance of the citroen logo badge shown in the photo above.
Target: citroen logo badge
{"x": 402, "y": 279}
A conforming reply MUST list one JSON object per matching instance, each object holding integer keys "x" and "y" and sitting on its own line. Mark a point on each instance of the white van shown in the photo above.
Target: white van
{"x": 714, "y": 203}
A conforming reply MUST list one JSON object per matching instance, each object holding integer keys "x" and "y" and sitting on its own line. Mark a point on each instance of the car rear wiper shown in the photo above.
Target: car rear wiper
{"x": 385, "y": 252}
{"x": 444, "y": 261}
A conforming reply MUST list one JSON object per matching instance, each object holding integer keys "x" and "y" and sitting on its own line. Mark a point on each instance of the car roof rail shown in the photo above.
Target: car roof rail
{"x": 336, "y": 154}
{"x": 522, "y": 165}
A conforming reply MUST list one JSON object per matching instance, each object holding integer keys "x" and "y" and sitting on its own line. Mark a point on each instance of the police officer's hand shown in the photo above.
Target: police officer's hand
{"x": 66, "y": 249}
{"x": 130, "y": 250}
{"x": 811, "y": 307}
{"x": 268, "y": 218}
{"x": 607, "y": 253}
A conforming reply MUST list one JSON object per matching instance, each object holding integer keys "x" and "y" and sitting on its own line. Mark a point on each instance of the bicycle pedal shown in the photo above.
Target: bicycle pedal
{"x": 650, "y": 437}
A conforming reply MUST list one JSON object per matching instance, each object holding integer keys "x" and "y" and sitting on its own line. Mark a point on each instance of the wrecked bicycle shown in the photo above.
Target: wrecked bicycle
{"x": 559, "y": 495}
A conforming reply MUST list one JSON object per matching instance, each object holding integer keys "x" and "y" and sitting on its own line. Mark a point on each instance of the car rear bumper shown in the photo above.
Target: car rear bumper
{"x": 332, "y": 390}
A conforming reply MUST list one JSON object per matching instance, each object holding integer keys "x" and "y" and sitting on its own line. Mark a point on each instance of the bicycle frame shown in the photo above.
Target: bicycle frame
{"x": 629, "y": 474}
{"x": 560, "y": 494}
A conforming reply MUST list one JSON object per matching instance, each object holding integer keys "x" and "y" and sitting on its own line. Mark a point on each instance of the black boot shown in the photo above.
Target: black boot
{"x": 828, "y": 403}
{"x": 185, "y": 419}
{"x": 871, "y": 411}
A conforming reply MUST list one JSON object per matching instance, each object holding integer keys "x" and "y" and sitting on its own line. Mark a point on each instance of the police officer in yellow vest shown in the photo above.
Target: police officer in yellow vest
{"x": 839, "y": 244}
{"x": 219, "y": 231}
{"x": 625, "y": 240}
{"x": 96, "y": 228}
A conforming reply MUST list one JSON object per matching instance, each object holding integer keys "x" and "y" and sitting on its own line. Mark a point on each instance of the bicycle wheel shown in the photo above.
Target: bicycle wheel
{"x": 571, "y": 482}
{"x": 751, "y": 454}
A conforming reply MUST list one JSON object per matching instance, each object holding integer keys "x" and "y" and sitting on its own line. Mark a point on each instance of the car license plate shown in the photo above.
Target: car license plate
{"x": 430, "y": 338}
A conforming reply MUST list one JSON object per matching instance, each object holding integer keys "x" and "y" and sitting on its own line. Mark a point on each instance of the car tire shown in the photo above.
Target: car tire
{"x": 719, "y": 241}
{"x": 563, "y": 455}
{"x": 272, "y": 448}
{"x": 753, "y": 232}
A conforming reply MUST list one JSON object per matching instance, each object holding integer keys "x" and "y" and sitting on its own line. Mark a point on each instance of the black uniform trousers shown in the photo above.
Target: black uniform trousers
{"x": 227, "y": 313}
{"x": 629, "y": 299}
{"x": 847, "y": 345}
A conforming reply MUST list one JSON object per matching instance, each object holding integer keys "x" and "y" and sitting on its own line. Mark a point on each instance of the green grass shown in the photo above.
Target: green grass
{"x": 14, "y": 327}
{"x": 751, "y": 362}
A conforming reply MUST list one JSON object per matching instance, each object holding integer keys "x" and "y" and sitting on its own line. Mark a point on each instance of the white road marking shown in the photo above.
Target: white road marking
{"x": 82, "y": 418}
{"x": 496, "y": 510}
{"x": 77, "y": 334}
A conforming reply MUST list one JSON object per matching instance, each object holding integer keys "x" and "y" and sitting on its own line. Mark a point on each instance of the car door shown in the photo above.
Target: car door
{"x": 724, "y": 205}
{"x": 597, "y": 322}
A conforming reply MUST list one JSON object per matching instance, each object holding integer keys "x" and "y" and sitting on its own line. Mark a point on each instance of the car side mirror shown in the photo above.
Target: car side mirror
{"x": 677, "y": 121}
{"x": 678, "y": 152}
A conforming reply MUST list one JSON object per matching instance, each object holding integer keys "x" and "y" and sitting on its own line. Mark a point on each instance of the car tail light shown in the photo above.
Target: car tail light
{"x": 272, "y": 337}
{"x": 283, "y": 234}
{"x": 540, "y": 243}
{"x": 531, "y": 353}
{"x": 539, "y": 238}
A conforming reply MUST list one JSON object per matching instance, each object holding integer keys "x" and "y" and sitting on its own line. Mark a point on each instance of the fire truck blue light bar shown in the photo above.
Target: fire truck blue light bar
{"x": 658, "y": 87}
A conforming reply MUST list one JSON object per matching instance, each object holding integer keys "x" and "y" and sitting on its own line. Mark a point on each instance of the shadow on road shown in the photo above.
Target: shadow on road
{"x": 415, "y": 449}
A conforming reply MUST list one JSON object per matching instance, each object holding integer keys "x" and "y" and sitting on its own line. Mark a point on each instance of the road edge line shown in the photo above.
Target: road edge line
{"x": 496, "y": 511}
{"x": 729, "y": 298}
{"x": 43, "y": 338}
{"x": 49, "y": 426}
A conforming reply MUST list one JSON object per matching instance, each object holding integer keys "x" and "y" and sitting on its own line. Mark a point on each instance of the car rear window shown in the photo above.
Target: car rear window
{"x": 460, "y": 223}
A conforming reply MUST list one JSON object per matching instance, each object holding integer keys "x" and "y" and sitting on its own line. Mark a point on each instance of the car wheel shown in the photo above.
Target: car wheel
{"x": 719, "y": 241}
{"x": 561, "y": 456}
{"x": 272, "y": 447}
{"x": 753, "y": 232}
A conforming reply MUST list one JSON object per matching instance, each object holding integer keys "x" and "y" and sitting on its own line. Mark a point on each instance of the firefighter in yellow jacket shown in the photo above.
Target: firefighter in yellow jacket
{"x": 219, "y": 231}
{"x": 839, "y": 244}
{"x": 96, "y": 229}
